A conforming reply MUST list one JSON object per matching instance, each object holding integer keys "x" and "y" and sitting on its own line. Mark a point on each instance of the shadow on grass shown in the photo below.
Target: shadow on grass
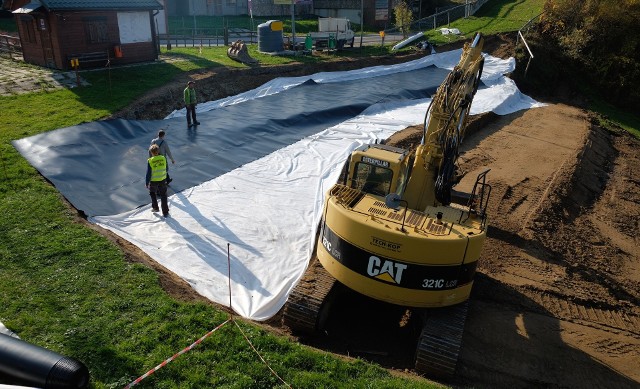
{"x": 114, "y": 88}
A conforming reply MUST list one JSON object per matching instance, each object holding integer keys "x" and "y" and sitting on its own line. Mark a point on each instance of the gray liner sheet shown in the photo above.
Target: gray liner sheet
{"x": 99, "y": 167}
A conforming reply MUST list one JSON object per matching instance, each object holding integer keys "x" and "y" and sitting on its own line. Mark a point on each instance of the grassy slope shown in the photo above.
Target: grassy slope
{"x": 67, "y": 288}
{"x": 494, "y": 17}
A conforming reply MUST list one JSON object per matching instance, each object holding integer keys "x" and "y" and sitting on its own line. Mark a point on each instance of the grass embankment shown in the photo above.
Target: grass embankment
{"x": 494, "y": 17}
{"x": 65, "y": 287}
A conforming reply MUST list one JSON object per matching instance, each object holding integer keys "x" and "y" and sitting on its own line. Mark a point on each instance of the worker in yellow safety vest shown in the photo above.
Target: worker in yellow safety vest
{"x": 190, "y": 102}
{"x": 156, "y": 180}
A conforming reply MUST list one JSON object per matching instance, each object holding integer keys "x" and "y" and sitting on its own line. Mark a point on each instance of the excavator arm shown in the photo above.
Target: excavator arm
{"x": 433, "y": 173}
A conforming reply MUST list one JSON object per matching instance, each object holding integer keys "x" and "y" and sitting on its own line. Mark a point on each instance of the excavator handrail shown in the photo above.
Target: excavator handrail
{"x": 479, "y": 199}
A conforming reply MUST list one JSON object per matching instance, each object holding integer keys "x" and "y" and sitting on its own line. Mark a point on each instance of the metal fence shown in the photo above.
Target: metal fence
{"x": 207, "y": 37}
{"x": 217, "y": 36}
{"x": 520, "y": 37}
{"x": 438, "y": 19}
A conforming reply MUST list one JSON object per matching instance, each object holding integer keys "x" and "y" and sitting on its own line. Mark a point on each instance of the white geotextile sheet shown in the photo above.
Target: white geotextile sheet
{"x": 265, "y": 213}
{"x": 494, "y": 68}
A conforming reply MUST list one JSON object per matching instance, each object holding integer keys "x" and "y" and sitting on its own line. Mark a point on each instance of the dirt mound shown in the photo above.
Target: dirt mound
{"x": 556, "y": 303}
{"x": 557, "y": 295}
{"x": 220, "y": 82}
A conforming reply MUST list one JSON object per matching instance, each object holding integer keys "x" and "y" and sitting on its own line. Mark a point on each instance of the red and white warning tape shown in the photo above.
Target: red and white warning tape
{"x": 147, "y": 374}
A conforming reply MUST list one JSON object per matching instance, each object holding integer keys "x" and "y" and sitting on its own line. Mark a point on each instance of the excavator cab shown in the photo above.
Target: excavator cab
{"x": 378, "y": 169}
{"x": 372, "y": 179}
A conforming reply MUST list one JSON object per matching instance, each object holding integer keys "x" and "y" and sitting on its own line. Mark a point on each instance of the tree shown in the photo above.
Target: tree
{"x": 404, "y": 17}
{"x": 603, "y": 37}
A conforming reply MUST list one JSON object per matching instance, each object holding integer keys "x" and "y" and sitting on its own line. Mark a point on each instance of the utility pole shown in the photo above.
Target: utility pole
{"x": 293, "y": 23}
{"x": 166, "y": 24}
{"x": 361, "y": 21}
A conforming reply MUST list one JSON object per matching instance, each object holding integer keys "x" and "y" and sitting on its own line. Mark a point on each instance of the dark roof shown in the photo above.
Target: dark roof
{"x": 97, "y": 5}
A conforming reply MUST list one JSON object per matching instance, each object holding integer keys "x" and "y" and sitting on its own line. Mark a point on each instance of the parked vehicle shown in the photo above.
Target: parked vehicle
{"x": 333, "y": 33}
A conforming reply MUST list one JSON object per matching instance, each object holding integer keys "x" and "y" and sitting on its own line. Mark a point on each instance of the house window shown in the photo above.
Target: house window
{"x": 96, "y": 29}
{"x": 231, "y": 2}
{"x": 29, "y": 30}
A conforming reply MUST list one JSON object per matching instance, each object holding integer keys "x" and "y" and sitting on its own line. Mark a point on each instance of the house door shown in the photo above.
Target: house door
{"x": 47, "y": 47}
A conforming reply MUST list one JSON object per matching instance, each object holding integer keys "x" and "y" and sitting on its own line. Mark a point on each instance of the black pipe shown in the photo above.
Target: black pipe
{"x": 33, "y": 365}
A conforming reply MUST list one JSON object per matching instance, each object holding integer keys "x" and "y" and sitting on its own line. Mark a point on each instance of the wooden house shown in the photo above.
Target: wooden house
{"x": 64, "y": 34}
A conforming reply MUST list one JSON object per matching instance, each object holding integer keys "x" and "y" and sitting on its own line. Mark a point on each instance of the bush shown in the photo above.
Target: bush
{"x": 603, "y": 38}
{"x": 403, "y": 17}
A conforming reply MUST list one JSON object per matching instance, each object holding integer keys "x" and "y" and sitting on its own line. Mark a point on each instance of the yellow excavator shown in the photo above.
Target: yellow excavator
{"x": 394, "y": 229}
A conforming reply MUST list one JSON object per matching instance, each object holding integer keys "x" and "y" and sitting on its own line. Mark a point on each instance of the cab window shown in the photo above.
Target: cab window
{"x": 372, "y": 179}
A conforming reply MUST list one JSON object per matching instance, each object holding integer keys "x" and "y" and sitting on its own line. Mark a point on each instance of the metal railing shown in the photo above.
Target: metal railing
{"x": 10, "y": 46}
{"x": 527, "y": 26}
{"x": 217, "y": 36}
{"x": 207, "y": 37}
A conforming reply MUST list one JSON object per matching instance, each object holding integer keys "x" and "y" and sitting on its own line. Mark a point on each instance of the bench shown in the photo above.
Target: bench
{"x": 84, "y": 59}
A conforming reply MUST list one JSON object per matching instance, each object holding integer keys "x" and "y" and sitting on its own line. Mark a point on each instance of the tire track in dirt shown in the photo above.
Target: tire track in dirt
{"x": 560, "y": 308}
{"x": 551, "y": 281}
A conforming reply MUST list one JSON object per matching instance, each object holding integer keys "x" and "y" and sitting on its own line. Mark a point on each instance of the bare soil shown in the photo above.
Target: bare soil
{"x": 556, "y": 301}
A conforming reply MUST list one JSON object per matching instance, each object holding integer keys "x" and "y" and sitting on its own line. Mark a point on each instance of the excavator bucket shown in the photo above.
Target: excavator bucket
{"x": 238, "y": 51}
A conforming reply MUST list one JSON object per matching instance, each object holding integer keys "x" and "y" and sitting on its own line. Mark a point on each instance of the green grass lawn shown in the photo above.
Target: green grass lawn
{"x": 492, "y": 18}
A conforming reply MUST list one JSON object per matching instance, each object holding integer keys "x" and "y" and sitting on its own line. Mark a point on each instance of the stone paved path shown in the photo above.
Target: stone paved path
{"x": 16, "y": 77}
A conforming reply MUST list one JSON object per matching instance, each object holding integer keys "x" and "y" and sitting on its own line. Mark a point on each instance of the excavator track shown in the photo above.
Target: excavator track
{"x": 307, "y": 307}
{"x": 440, "y": 340}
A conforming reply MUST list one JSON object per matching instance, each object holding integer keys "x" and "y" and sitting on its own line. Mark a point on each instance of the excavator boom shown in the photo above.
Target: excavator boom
{"x": 444, "y": 127}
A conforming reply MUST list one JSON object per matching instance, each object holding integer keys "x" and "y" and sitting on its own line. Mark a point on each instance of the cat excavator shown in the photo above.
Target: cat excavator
{"x": 394, "y": 229}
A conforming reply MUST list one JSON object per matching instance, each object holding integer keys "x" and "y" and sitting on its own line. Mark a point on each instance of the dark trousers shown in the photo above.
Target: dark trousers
{"x": 168, "y": 178}
{"x": 191, "y": 114}
{"x": 159, "y": 188}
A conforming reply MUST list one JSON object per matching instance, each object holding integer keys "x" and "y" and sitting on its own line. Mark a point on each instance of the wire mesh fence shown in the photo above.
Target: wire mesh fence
{"x": 218, "y": 36}
{"x": 432, "y": 22}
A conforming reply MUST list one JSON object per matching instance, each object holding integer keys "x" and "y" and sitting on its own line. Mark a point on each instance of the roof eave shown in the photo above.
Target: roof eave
{"x": 54, "y": 8}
